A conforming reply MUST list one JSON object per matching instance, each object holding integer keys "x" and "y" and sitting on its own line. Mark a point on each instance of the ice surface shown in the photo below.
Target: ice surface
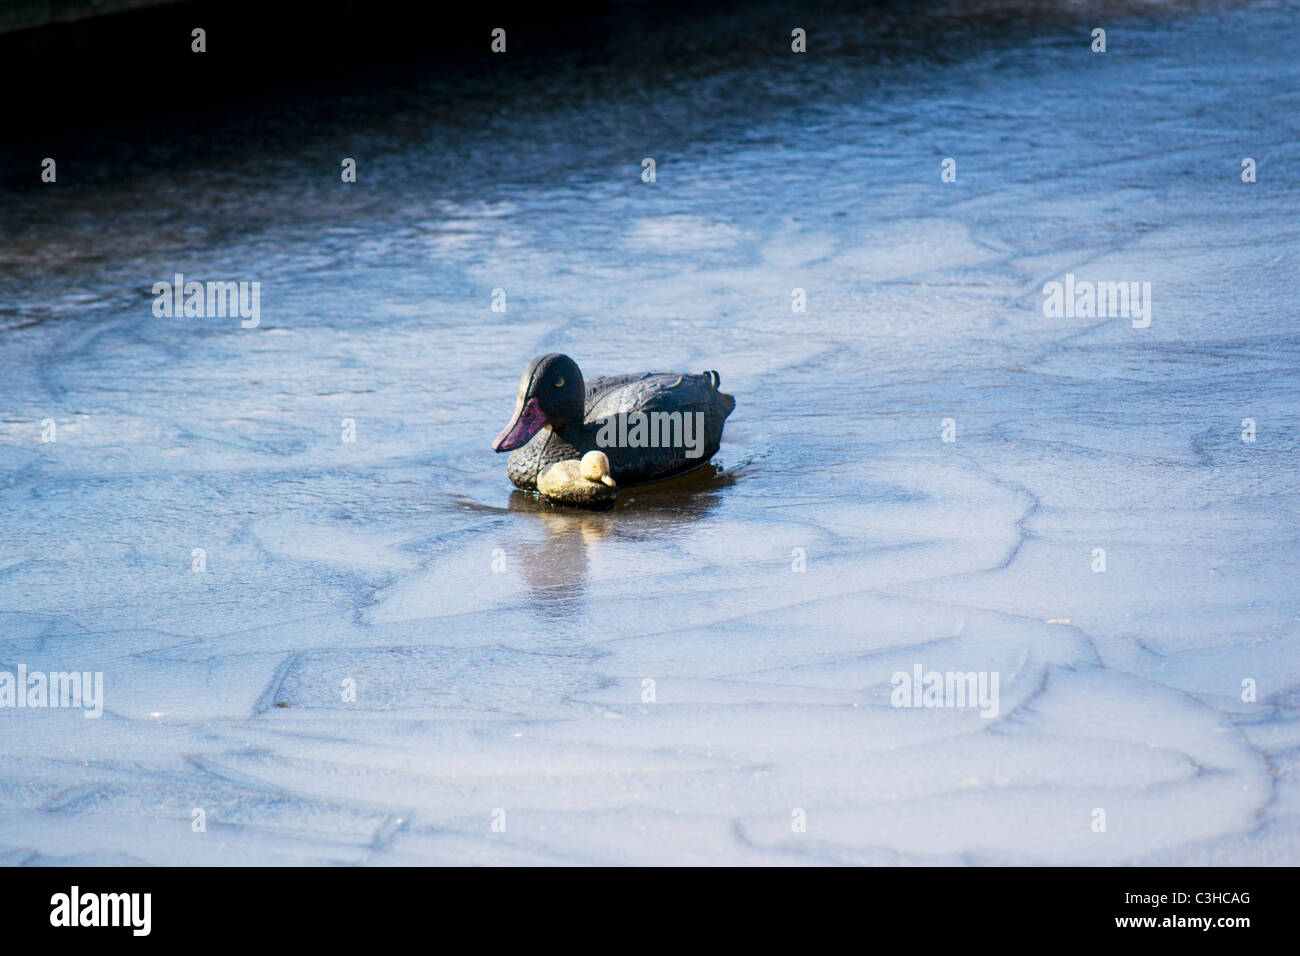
{"x": 522, "y": 689}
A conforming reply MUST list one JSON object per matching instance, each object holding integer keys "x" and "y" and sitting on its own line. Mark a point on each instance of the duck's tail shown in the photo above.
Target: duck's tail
{"x": 728, "y": 401}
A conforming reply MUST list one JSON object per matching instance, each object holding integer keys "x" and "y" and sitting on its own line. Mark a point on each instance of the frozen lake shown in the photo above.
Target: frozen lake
{"x": 691, "y": 677}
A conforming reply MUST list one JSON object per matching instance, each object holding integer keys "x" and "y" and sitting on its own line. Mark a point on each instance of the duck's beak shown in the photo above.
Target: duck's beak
{"x": 528, "y": 421}
{"x": 609, "y": 480}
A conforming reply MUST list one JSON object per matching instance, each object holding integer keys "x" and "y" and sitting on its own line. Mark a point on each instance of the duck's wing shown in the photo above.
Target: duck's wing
{"x": 649, "y": 391}
{"x": 602, "y": 388}
{"x": 660, "y": 392}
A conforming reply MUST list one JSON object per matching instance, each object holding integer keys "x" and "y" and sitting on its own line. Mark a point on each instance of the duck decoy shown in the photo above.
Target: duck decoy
{"x": 653, "y": 426}
{"x": 583, "y": 483}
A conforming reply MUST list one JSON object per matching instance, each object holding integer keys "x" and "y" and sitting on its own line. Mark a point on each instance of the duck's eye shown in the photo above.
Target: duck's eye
{"x": 559, "y": 383}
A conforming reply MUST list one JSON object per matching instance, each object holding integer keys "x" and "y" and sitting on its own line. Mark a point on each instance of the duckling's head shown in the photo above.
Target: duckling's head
{"x": 595, "y": 467}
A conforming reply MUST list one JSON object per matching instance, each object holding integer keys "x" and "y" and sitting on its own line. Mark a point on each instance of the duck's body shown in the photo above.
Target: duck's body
{"x": 581, "y": 484}
{"x": 653, "y": 426}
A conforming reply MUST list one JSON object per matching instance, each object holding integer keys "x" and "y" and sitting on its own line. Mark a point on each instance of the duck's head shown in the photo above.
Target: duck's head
{"x": 595, "y": 467}
{"x": 551, "y": 392}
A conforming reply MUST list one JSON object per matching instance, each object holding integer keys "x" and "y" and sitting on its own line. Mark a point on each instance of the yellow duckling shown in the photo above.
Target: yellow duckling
{"x": 583, "y": 484}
